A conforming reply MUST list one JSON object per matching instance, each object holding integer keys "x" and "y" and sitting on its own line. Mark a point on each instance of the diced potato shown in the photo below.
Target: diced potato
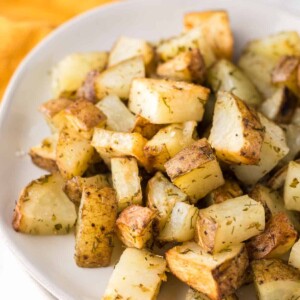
{"x": 274, "y": 148}
{"x": 273, "y": 279}
{"x": 292, "y": 134}
{"x": 73, "y": 153}
{"x": 181, "y": 224}
{"x": 70, "y": 72}
{"x": 43, "y": 208}
{"x": 138, "y": 275}
{"x": 95, "y": 227}
{"x": 162, "y": 196}
{"x": 134, "y": 226}
{"x": 74, "y": 187}
{"x": 195, "y": 170}
{"x": 237, "y": 133}
{"x": 277, "y": 179}
{"x": 277, "y": 239}
{"x": 117, "y": 79}
{"x": 225, "y": 76}
{"x": 168, "y": 141}
{"x": 294, "y": 259}
{"x": 215, "y": 276}
{"x": 195, "y": 295}
{"x": 119, "y": 118}
{"x": 228, "y": 223}
{"x": 162, "y": 102}
{"x": 58, "y": 122}
{"x": 145, "y": 128}
{"x": 44, "y": 154}
{"x": 292, "y": 187}
{"x": 215, "y": 28}
{"x": 52, "y": 107}
{"x": 87, "y": 90}
{"x": 186, "y": 66}
{"x": 119, "y": 144}
{"x": 126, "y": 181}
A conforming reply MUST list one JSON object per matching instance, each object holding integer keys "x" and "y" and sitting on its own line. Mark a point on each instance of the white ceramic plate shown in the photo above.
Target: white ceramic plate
{"x": 50, "y": 259}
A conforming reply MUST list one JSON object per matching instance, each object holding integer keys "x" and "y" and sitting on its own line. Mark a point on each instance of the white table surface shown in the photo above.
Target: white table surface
{"x": 15, "y": 282}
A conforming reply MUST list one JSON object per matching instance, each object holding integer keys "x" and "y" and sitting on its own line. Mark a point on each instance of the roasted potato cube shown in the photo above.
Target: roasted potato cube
{"x": 180, "y": 226}
{"x": 95, "y": 227}
{"x": 228, "y": 223}
{"x": 43, "y": 208}
{"x": 225, "y": 76}
{"x": 58, "y": 122}
{"x": 52, "y": 107}
{"x": 215, "y": 28}
{"x": 44, "y": 154}
{"x": 168, "y": 141}
{"x": 145, "y": 128}
{"x": 117, "y": 79}
{"x": 163, "y": 102}
{"x": 274, "y": 148}
{"x": 87, "y": 90}
{"x": 134, "y": 226}
{"x": 215, "y": 276}
{"x": 195, "y": 295}
{"x": 73, "y": 187}
{"x": 162, "y": 196}
{"x": 277, "y": 239}
{"x": 70, "y": 72}
{"x": 273, "y": 279}
{"x": 126, "y": 181}
{"x": 137, "y": 275}
{"x": 292, "y": 134}
{"x": 119, "y": 118}
{"x": 292, "y": 187}
{"x": 187, "y": 66}
{"x": 73, "y": 153}
{"x": 241, "y": 140}
{"x": 294, "y": 259}
{"x": 195, "y": 170}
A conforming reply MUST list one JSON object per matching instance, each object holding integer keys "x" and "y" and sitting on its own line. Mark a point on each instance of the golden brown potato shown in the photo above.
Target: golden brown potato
{"x": 134, "y": 226}
{"x": 195, "y": 170}
{"x": 50, "y": 108}
{"x": 195, "y": 295}
{"x": 145, "y": 128}
{"x": 215, "y": 276}
{"x": 95, "y": 227}
{"x": 277, "y": 239}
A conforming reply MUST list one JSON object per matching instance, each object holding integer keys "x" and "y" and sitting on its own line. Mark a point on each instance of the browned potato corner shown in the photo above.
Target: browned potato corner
{"x": 50, "y": 108}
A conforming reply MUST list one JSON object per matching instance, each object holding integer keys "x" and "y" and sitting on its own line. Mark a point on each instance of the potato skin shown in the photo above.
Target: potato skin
{"x": 43, "y": 163}
{"x": 284, "y": 68}
{"x": 51, "y": 107}
{"x": 87, "y": 91}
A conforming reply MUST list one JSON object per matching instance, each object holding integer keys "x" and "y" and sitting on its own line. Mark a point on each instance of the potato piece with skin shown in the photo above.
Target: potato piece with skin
{"x": 43, "y": 208}
{"x": 273, "y": 279}
{"x": 162, "y": 196}
{"x": 277, "y": 239}
{"x": 73, "y": 153}
{"x": 51, "y": 107}
{"x": 137, "y": 275}
{"x": 215, "y": 276}
{"x": 274, "y": 148}
{"x": 237, "y": 133}
{"x": 134, "y": 226}
{"x": 195, "y": 295}
{"x": 119, "y": 118}
{"x": 70, "y": 72}
{"x": 126, "y": 181}
{"x": 95, "y": 227}
{"x": 228, "y": 223}
{"x": 145, "y": 128}
{"x": 292, "y": 187}
{"x": 195, "y": 170}
{"x": 295, "y": 255}
{"x": 117, "y": 79}
{"x": 215, "y": 27}
{"x": 187, "y": 66}
{"x": 87, "y": 90}
{"x": 163, "y": 102}
{"x": 225, "y": 76}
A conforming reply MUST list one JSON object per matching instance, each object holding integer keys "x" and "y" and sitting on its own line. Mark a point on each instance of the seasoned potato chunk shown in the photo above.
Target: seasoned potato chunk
{"x": 275, "y": 280}
{"x": 215, "y": 276}
{"x": 117, "y": 79}
{"x": 294, "y": 259}
{"x": 134, "y": 226}
{"x": 162, "y": 102}
{"x": 95, "y": 227}
{"x": 70, "y": 72}
{"x": 87, "y": 90}
{"x": 195, "y": 295}
{"x": 292, "y": 187}
{"x": 237, "y": 133}
{"x": 231, "y": 222}
{"x": 126, "y": 181}
{"x": 138, "y": 275}
{"x": 43, "y": 208}
{"x": 52, "y": 107}
{"x": 277, "y": 239}
{"x": 145, "y": 128}
{"x": 195, "y": 170}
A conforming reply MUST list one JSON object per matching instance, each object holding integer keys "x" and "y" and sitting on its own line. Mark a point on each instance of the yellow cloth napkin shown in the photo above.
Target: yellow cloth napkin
{"x": 23, "y": 23}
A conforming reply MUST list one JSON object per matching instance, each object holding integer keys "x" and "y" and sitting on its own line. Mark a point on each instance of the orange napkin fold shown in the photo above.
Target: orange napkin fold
{"x": 23, "y": 23}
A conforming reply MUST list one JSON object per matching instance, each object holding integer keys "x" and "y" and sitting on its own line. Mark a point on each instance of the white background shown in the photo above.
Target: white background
{"x": 14, "y": 281}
